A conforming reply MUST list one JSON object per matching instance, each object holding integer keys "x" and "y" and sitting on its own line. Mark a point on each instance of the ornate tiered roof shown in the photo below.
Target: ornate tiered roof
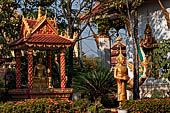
{"x": 149, "y": 41}
{"x": 100, "y": 8}
{"x": 40, "y": 33}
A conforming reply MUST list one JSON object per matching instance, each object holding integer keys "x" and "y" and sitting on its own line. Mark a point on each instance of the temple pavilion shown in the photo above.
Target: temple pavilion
{"x": 40, "y": 34}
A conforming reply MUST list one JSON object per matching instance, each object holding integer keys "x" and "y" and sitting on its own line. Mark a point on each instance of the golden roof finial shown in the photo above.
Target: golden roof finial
{"x": 68, "y": 36}
{"x": 61, "y": 33}
{"x": 39, "y": 12}
{"x": 55, "y": 17}
{"x": 148, "y": 29}
{"x": 120, "y": 57}
{"x": 118, "y": 39}
{"x": 45, "y": 13}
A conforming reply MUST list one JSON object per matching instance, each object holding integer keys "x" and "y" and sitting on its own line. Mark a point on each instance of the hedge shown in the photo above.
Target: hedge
{"x": 147, "y": 105}
{"x": 47, "y": 105}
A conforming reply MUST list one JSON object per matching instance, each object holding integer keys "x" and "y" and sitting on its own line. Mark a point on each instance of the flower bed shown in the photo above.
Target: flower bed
{"x": 48, "y": 106}
{"x": 147, "y": 105}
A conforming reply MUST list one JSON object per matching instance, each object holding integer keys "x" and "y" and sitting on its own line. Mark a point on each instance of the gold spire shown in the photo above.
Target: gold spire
{"x": 120, "y": 57}
{"x": 148, "y": 29}
{"x": 39, "y": 12}
{"x": 55, "y": 17}
{"x": 118, "y": 39}
{"x": 45, "y": 13}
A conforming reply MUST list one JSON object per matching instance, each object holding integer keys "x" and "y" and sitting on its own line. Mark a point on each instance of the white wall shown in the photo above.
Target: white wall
{"x": 157, "y": 19}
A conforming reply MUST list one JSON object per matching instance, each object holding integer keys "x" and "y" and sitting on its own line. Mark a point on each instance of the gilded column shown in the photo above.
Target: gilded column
{"x": 49, "y": 70}
{"x": 62, "y": 68}
{"x": 18, "y": 69}
{"x": 30, "y": 68}
{"x": 49, "y": 63}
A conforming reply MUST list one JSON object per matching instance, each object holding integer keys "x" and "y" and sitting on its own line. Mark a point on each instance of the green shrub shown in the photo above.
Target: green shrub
{"x": 147, "y": 105}
{"x": 49, "y": 106}
{"x": 95, "y": 84}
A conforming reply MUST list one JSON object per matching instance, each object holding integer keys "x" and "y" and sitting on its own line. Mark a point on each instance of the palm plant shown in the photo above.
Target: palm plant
{"x": 95, "y": 84}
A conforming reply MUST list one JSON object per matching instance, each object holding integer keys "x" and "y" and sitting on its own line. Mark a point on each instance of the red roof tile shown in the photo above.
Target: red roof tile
{"x": 95, "y": 11}
{"x": 53, "y": 39}
{"x": 16, "y": 42}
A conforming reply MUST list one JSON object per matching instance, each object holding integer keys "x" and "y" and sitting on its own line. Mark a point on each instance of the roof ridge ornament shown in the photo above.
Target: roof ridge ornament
{"x": 148, "y": 29}
{"x": 120, "y": 57}
{"x": 45, "y": 13}
{"x": 118, "y": 39}
{"x": 39, "y": 12}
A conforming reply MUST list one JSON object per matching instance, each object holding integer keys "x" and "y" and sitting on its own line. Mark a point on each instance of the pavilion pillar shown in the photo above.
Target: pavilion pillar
{"x": 18, "y": 69}
{"x": 30, "y": 68}
{"x": 62, "y": 68}
{"x": 49, "y": 70}
{"x": 49, "y": 64}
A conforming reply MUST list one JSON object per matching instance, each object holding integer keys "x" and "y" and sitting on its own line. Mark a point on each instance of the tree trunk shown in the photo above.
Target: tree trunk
{"x": 70, "y": 67}
{"x": 136, "y": 63}
{"x": 80, "y": 52}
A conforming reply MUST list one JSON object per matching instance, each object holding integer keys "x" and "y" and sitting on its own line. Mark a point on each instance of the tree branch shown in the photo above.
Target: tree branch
{"x": 76, "y": 16}
{"x": 87, "y": 22}
{"x": 165, "y": 13}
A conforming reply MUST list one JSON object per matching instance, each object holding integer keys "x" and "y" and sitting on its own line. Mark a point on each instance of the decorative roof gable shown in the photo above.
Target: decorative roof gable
{"x": 41, "y": 32}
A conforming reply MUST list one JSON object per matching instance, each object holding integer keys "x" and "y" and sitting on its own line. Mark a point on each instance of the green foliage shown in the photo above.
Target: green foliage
{"x": 9, "y": 24}
{"x": 89, "y": 64}
{"x": 161, "y": 60}
{"x": 147, "y": 105}
{"x": 95, "y": 84}
{"x": 121, "y": 8}
{"x": 104, "y": 25}
{"x": 47, "y": 105}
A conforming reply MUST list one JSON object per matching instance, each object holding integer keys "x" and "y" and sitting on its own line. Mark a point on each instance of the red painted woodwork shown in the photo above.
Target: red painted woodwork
{"x": 62, "y": 68}
{"x": 54, "y": 39}
{"x": 18, "y": 69}
{"x": 30, "y": 68}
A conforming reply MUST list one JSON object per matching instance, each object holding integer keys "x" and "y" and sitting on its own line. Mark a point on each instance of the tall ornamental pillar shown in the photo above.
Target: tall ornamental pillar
{"x": 62, "y": 68}
{"x": 18, "y": 69}
{"x": 49, "y": 70}
{"x": 30, "y": 68}
{"x": 49, "y": 63}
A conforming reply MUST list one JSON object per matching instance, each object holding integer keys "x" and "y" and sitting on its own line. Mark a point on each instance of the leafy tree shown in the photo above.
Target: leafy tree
{"x": 161, "y": 60}
{"x": 9, "y": 24}
{"x": 71, "y": 10}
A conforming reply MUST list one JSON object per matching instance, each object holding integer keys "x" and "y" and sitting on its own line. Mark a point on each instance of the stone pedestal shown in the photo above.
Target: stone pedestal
{"x": 58, "y": 93}
{"x": 40, "y": 83}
